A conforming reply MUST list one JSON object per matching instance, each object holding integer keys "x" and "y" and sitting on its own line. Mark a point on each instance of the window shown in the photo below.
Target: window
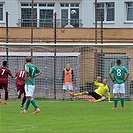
{"x": 43, "y": 14}
{"x": 106, "y": 11}
{"x": 46, "y": 18}
{"x": 64, "y": 5}
{"x": 1, "y": 11}
{"x": 129, "y": 11}
{"x": 26, "y": 15}
{"x": 67, "y": 18}
{"x": 110, "y": 11}
{"x": 46, "y": 4}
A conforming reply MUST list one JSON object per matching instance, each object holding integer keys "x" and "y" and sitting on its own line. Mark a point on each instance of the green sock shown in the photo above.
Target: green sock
{"x": 63, "y": 99}
{"x": 33, "y": 102}
{"x": 71, "y": 99}
{"x": 115, "y": 102}
{"x": 27, "y": 104}
{"x": 122, "y": 102}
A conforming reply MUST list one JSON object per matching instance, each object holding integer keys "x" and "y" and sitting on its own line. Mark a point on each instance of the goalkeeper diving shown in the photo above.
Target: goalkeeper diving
{"x": 97, "y": 94}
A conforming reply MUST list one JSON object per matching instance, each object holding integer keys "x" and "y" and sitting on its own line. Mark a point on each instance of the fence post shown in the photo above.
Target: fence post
{"x": 7, "y": 37}
{"x": 32, "y": 24}
{"x": 102, "y": 28}
{"x": 55, "y": 55}
{"x": 95, "y": 21}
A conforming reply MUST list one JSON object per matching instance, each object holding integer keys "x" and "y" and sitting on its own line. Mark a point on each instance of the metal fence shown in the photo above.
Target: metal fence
{"x": 49, "y": 23}
{"x": 87, "y": 61}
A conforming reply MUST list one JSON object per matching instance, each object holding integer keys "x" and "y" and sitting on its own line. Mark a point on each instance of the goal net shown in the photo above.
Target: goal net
{"x": 87, "y": 61}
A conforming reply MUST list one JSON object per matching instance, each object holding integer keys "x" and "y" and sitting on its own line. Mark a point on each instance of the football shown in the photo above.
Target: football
{"x": 73, "y": 11}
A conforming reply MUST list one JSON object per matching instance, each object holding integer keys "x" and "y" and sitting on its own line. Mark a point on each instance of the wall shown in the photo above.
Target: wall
{"x": 87, "y": 12}
{"x": 67, "y": 34}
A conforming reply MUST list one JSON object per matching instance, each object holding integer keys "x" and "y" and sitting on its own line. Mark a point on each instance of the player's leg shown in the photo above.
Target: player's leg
{"x": 24, "y": 97}
{"x": 115, "y": 92}
{"x": 6, "y": 93}
{"x": 122, "y": 92}
{"x": 1, "y": 88}
{"x": 19, "y": 96}
{"x": 32, "y": 100}
{"x": 64, "y": 95}
{"x": 28, "y": 98}
{"x": 64, "y": 91}
{"x": 122, "y": 100}
{"x": 115, "y": 101}
{"x": 78, "y": 94}
{"x": 18, "y": 92}
{"x": 29, "y": 90}
{"x": 0, "y": 94}
{"x": 70, "y": 89}
{"x": 100, "y": 99}
{"x": 96, "y": 96}
{"x": 27, "y": 102}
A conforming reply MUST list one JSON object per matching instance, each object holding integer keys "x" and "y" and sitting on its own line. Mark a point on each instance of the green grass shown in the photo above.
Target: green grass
{"x": 66, "y": 117}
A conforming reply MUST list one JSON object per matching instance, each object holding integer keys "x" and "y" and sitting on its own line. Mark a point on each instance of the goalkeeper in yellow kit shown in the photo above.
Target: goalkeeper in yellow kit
{"x": 98, "y": 93}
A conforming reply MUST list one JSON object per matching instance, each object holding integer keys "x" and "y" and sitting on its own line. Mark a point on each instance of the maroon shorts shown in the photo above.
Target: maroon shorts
{"x": 4, "y": 86}
{"x": 20, "y": 88}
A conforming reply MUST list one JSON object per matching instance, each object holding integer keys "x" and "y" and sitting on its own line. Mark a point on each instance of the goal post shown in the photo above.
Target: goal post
{"x": 87, "y": 61}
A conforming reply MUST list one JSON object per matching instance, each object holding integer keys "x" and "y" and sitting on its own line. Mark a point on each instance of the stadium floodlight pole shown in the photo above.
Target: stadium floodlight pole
{"x": 32, "y": 24}
{"x": 95, "y": 21}
{"x": 7, "y": 36}
{"x": 102, "y": 28}
{"x": 55, "y": 55}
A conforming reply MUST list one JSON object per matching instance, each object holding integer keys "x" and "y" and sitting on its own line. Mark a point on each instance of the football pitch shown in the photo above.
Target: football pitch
{"x": 66, "y": 117}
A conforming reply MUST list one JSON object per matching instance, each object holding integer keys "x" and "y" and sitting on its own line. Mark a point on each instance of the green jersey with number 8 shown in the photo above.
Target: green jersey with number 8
{"x": 119, "y": 74}
{"x": 32, "y": 71}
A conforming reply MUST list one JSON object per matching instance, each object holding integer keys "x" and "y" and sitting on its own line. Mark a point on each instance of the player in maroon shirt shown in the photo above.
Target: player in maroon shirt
{"x": 4, "y": 73}
{"x": 20, "y": 84}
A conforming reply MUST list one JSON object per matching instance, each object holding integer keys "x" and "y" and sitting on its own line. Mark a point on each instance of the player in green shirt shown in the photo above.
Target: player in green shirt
{"x": 118, "y": 74}
{"x": 31, "y": 72}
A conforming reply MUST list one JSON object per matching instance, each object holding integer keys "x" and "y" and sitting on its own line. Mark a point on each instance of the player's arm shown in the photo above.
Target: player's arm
{"x": 72, "y": 76}
{"x": 126, "y": 75}
{"x": 108, "y": 94}
{"x": 63, "y": 76}
{"x": 10, "y": 74}
{"x": 110, "y": 75}
{"x": 16, "y": 76}
{"x": 37, "y": 74}
{"x": 109, "y": 97}
{"x": 27, "y": 72}
{"x": 96, "y": 82}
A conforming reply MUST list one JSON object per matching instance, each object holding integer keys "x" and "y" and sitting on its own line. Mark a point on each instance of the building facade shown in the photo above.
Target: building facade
{"x": 114, "y": 13}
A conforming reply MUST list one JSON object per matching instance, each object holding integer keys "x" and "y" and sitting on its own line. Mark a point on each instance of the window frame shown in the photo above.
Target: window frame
{"x": 28, "y": 6}
{"x": 105, "y": 13}
{"x": 69, "y": 7}
{"x": 126, "y": 12}
{"x": 45, "y": 5}
{"x": 1, "y": 21}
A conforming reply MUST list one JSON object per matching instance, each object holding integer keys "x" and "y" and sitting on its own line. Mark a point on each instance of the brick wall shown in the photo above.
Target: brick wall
{"x": 67, "y": 34}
